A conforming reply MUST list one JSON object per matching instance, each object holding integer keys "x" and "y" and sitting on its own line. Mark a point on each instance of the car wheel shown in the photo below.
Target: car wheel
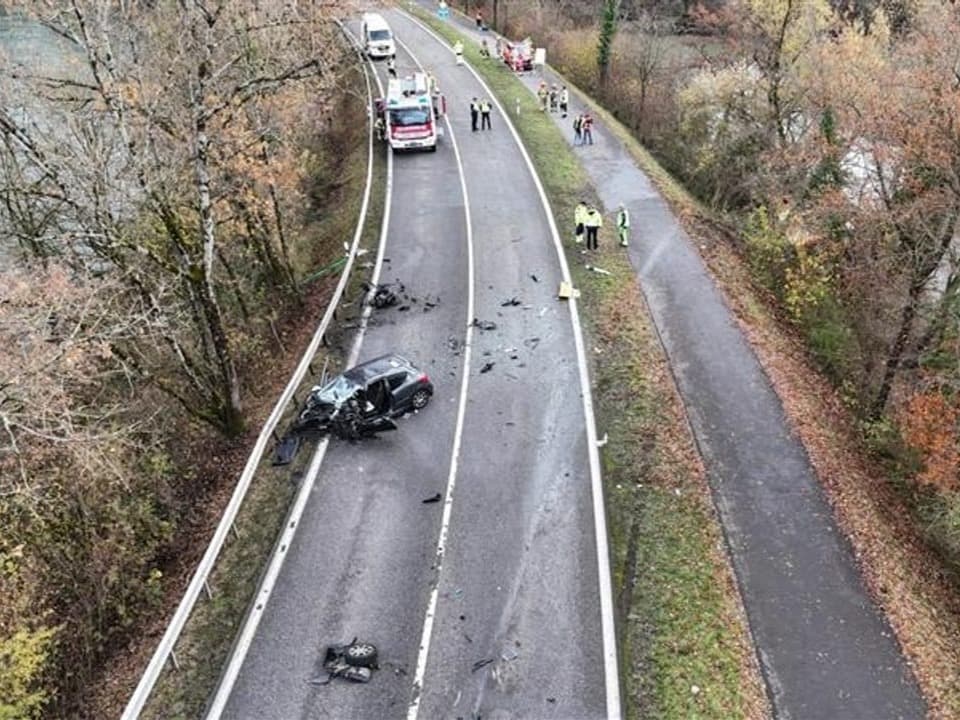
{"x": 420, "y": 399}
{"x": 361, "y": 655}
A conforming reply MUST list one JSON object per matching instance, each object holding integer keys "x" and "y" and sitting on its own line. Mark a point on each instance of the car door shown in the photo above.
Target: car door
{"x": 399, "y": 390}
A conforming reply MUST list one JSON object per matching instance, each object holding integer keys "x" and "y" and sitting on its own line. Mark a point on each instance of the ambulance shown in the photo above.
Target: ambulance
{"x": 411, "y": 113}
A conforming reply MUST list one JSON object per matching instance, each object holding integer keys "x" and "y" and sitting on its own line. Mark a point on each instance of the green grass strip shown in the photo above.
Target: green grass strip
{"x": 684, "y": 648}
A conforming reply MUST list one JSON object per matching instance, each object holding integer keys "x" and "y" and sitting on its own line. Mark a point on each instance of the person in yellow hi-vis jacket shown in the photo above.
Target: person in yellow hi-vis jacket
{"x": 623, "y": 225}
{"x": 579, "y": 217}
{"x": 593, "y": 223}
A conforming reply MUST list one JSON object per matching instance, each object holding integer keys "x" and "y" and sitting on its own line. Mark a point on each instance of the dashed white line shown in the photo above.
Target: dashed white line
{"x": 424, "y": 650}
{"x": 611, "y": 669}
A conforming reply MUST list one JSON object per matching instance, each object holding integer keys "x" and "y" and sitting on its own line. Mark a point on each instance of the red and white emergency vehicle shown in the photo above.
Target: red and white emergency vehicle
{"x": 411, "y": 112}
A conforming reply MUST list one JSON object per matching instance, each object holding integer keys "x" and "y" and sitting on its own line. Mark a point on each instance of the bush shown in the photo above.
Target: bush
{"x": 941, "y": 517}
{"x": 23, "y": 656}
{"x": 831, "y": 339}
{"x": 768, "y": 251}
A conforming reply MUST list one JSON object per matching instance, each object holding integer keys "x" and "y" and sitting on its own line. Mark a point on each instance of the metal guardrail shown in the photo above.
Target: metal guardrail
{"x": 199, "y": 582}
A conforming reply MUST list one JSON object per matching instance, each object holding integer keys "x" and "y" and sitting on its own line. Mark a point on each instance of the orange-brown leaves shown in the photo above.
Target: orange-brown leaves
{"x": 929, "y": 426}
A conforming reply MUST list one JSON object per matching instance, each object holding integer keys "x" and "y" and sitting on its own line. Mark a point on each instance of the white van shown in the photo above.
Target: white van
{"x": 377, "y": 36}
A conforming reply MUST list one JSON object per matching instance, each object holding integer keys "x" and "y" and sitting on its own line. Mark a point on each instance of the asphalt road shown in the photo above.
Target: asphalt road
{"x": 519, "y": 578}
{"x": 825, "y": 650}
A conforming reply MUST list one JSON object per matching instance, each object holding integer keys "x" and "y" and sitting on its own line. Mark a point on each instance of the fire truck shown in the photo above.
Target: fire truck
{"x": 411, "y": 113}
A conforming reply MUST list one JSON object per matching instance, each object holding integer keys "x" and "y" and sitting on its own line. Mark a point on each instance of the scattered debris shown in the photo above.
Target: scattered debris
{"x": 287, "y": 449}
{"x": 534, "y": 278}
{"x": 384, "y": 297}
{"x": 598, "y": 270}
{"x": 361, "y": 252}
{"x": 484, "y": 324}
{"x": 354, "y": 661}
{"x": 481, "y": 663}
{"x": 487, "y": 367}
{"x": 532, "y": 342}
{"x": 432, "y": 499}
{"x": 508, "y": 655}
{"x": 602, "y": 441}
{"x": 512, "y": 302}
{"x": 551, "y": 700}
{"x": 567, "y": 291}
{"x": 403, "y": 308}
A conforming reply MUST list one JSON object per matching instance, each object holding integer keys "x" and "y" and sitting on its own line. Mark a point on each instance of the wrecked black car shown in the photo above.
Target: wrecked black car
{"x": 365, "y": 399}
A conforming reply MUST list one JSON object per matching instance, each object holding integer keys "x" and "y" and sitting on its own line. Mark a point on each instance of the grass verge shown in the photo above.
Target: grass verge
{"x": 684, "y": 648}
{"x": 208, "y": 636}
{"x": 884, "y": 523}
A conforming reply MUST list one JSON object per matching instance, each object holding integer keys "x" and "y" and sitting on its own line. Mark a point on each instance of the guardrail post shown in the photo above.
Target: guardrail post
{"x": 165, "y": 652}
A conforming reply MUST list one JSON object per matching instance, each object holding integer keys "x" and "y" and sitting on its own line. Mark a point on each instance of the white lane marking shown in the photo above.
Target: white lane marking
{"x": 414, "y": 707}
{"x": 245, "y": 639}
{"x": 611, "y": 672}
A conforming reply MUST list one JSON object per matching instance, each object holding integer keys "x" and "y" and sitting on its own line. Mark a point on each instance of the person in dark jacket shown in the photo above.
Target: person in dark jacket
{"x": 474, "y": 114}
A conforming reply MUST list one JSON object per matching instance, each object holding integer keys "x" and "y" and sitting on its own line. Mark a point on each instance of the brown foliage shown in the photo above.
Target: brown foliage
{"x": 929, "y": 426}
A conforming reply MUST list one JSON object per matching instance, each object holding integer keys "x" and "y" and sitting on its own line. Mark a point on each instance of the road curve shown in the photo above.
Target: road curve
{"x": 825, "y": 650}
{"x": 519, "y": 578}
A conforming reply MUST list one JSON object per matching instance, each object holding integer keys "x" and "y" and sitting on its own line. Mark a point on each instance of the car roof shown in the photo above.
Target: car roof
{"x": 378, "y": 366}
{"x": 375, "y": 21}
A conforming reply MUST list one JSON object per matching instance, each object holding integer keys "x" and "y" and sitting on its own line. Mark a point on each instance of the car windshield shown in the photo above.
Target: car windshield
{"x": 412, "y": 116}
{"x": 337, "y": 390}
{"x": 379, "y": 34}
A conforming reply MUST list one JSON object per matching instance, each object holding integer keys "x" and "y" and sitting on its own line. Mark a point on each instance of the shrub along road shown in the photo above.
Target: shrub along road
{"x": 824, "y": 648}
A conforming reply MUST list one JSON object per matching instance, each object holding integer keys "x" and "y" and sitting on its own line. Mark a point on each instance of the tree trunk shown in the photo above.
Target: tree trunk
{"x": 909, "y": 313}
{"x": 895, "y": 355}
{"x": 230, "y": 409}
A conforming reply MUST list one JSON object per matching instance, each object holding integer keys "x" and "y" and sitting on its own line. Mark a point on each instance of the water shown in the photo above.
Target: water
{"x": 32, "y": 58}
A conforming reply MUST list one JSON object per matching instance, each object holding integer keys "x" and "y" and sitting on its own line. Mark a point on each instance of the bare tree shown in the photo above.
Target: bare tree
{"x": 177, "y": 118}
